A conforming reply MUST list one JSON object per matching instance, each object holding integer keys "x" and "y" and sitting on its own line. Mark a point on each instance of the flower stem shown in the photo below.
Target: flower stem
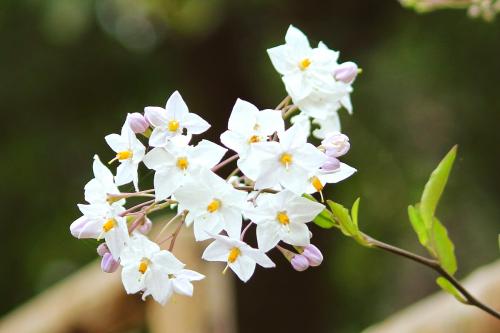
{"x": 225, "y": 162}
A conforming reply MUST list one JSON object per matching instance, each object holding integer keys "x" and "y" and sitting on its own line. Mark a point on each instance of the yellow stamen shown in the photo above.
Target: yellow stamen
{"x": 214, "y": 205}
{"x": 282, "y": 218}
{"x": 286, "y": 159}
{"x": 110, "y": 224}
{"x": 182, "y": 163}
{"x": 316, "y": 183}
{"x": 143, "y": 266}
{"x": 233, "y": 254}
{"x": 256, "y": 127}
{"x": 304, "y": 63}
{"x": 254, "y": 139}
{"x": 173, "y": 125}
{"x": 124, "y": 155}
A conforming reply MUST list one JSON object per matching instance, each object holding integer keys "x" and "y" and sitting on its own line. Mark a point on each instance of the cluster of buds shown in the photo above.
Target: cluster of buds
{"x": 275, "y": 168}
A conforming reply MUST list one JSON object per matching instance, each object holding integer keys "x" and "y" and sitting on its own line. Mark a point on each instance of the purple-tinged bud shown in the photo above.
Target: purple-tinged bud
{"x": 299, "y": 263}
{"x": 102, "y": 249}
{"x": 108, "y": 264}
{"x": 331, "y": 164}
{"x": 145, "y": 227}
{"x": 346, "y": 72}
{"x": 313, "y": 255}
{"x": 336, "y": 144}
{"x": 137, "y": 122}
{"x": 80, "y": 228}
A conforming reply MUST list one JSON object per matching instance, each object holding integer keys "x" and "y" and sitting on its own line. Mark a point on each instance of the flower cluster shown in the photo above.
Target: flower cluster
{"x": 275, "y": 168}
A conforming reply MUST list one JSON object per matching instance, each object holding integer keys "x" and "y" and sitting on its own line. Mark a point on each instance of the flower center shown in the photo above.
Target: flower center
{"x": 182, "y": 163}
{"x": 304, "y": 63}
{"x": 173, "y": 125}
{"x": 124, "y": 155}
{"x": 254, "y": 139}
{"x": 286, "y": 159}
{"x": 214, "y": 205}
{"x": 316, "y": 183}
{"x": 143, "y": 265}
{"x": 233, "y": 254}
{"x": 282, "y": 218}
{"x": 110, "y": 224}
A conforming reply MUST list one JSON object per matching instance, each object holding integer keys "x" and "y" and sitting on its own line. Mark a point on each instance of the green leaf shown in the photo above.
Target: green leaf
{"x": 324, "y": 220}
{"x": 450, "y": 289}
{"x": 341, "y": 215}
{"x": 435, "y": 187}
{"x": 418, "y": 225}
{"x": 445, "y": 250}
{"x": 354, "y": 212}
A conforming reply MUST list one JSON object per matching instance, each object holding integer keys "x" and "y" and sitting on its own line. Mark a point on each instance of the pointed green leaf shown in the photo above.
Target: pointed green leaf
{"x": 341, "y": 215}
{"x": 418, "y": 225}
{"x": 324, "y": 220}
{"x": 445, "y": 250}
{"x": 354, "y": 212}
{"x": 435, "y": 187}
{"x": 450, "y": 289}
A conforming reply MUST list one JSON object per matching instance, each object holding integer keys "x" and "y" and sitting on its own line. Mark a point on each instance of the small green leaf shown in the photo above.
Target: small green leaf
{"x": 450, "y": 289}
{"x": 445, "y": 250}
{"x": 354, "y": 212}
{"x": 324, "y": 220}
{"x": 418, "y": 225}
{"x": 341, "y": 215}
{"x": 435, "y": 187}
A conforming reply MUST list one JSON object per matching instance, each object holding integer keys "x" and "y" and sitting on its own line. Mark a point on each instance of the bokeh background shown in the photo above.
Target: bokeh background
{"x": 71, "y": 70}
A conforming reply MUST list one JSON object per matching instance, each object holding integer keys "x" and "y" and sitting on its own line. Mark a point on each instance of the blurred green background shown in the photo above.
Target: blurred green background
{"x": 71, "y": 70}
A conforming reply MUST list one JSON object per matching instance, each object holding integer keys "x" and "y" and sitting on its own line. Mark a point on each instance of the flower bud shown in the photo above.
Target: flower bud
{"x": 102, "y": 249}
{"x": 331, "y": 164}
{"x": 336, "y": 144}
{"x": 145, "y": 227}
{"x": 313, "y": 255}
{"x": 346, "y": 72}
{"x": 299, "y": 263}
{"x": 108, "y": 264}
{"x": 137, "y": 122}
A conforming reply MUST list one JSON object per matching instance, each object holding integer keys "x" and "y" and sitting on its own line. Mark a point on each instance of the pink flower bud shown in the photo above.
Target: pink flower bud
{"x": 102, "y": 249}
{"x": 137, "y": 122}
{"x": 80, "y": 228}
{"x": 331, "y": 164}
{"x": 108, "y": 264}
{"x": 299, "y": 263}
{"x": 346, "y": 72}
{"x": 145, "y": 228}
{"x": 336, "y": 144}
{"x": 313, "y": 255}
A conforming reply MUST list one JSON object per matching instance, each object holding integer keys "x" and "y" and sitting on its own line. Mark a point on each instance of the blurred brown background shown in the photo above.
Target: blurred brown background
{"x": 71, "y": 70}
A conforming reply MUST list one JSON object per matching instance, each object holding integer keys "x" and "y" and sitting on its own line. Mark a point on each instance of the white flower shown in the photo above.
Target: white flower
{"x": 303, "y": 68}
{"x": 328, "y": 125}
{"x": 287, "y": 163}
{"x": 320, "y": 178}
{"x": 129, "y": 152}
{"x": 175, "y": 164}
{"x": 172, "y": 120}
{"x": 247, "y": 125}
{"x": 98, "y": 188}
{"x": 283, "y": 216}
{"x": 213, "y": 205}
{"x": 240, "y": 257}
{"x": 156, "y": 272}
{"x": 102, "y": 220}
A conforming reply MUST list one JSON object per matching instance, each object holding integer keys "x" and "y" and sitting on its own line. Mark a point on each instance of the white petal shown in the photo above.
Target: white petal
{"x": 216, "y": 251}
{"x": 167, "y": 261}
{"x": 195, "y": 124}
{"x": 132, "y": 279}
{"x": 297, "y": 235}
{"x": 235, "y": 141}
{"x": 125, "y": 173}
{"x": 176, "y": 107}
{"x": 166, "y": 182}
{"x": 232, "y": 221}
{"x": 183, "y": 287}
{"x": 268, "y": 235}
{"x": 260, "y": 257}
{"x": 243, "y": 117}
{"x": 156, "y": 116}
{"x": 303, "y": 210}
{"x": 116, "y": 142}
{"x": 207, "y": 154}
{"x": 280, "y": 58}
{"x": 309, "y": 157}
{"x": 158, "y": 158}
{"x": 190, "y": 275}
{"x": 297, "y": 86}
{"x": 244, "y": 267}
{"x": 297, "y": 40}
{"x": 270, "y": 121}
{"x": 345, "y": 171}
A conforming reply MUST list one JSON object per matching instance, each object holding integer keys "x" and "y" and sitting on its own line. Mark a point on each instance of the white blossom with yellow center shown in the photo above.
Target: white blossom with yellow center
{"x": 155, "y": 272}
{"x": 173, "y": 120}
{"x": 237, "y": 255}
{"x": 287, "y": 163}
{"x": 247, "y": 125}
{"x": 213, "y": 205}
{"x": 129, "y": 153}
{"x": 283, "y": 217}
{"x": 175, "y": 163}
